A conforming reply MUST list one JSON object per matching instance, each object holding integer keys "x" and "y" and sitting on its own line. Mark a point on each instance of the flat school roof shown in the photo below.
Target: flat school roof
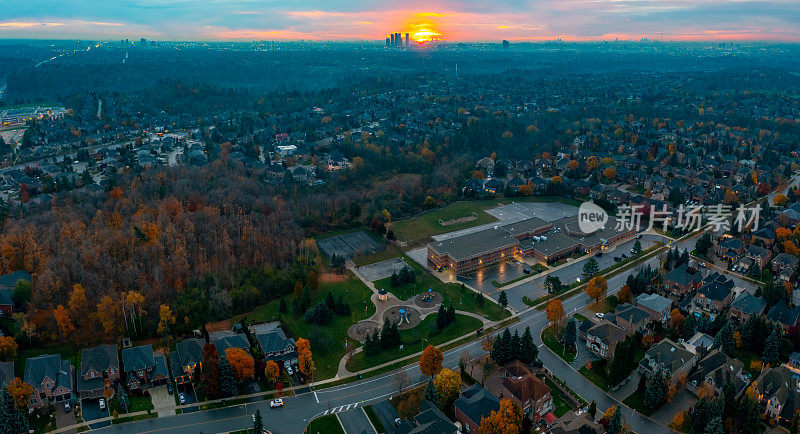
{"x": 474, "y": 244}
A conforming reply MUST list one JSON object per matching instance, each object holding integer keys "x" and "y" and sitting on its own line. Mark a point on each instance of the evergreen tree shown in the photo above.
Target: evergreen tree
{"x": 747, "y": 416}
{"x": 724, "y": 339}
{"x": 282, "y": 306}
{"x": 441, "y": 317}
{"x": 258, "y": 422}
{"x": 570, "y": 334}
{"x": 592, "y": 409}
{"x": 700, "y": 415}
{"x": 516, "y": 346}
{"x": 11, "y": 419}
{"x": 656, "y": 390}
{"x": 715, "y": 426}
{"x": 227, "y": 381}
{"x": 386, "y": 335}
{"x": 430, "y": 393}
{"x": 529, "y": 351}
{"x": 615, "y": 423}
{"x": 122, "y": 398}
{"x": 503, "y": 299}
{"x": 772, "y": 346}
{"x": 330, "y": 302}
{"x": 590, "y": 269}
{"x": 637, "y": 248}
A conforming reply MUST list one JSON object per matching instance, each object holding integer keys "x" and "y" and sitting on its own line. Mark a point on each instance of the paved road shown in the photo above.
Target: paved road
{"x": 355, "y": 422}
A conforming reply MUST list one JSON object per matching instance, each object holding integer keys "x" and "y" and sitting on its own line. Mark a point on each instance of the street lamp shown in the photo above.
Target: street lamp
{"x": 423, "y": 344}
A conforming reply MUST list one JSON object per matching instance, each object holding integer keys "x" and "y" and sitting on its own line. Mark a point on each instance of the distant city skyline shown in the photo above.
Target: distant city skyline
{"x": 465, "y": 20}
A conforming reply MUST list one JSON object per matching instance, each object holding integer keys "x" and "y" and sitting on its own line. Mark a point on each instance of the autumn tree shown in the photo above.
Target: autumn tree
{"x": 165, "y": 320}
{"x": 780, "y": 200}
{"x": 304, "y": 360}
{"x": 20, "y": 392}
{"x": 82, "y": 314}
{"x": 596, "y": 288}
{"x": 64, "y": 322}
{"x": 430, "y": 363}
{"x": 272, "y": 372}
{"x": 242, "y": 363}
{"x": 109, "y": 314}
{"x": 610, "y": 173}
{"x": 555, "y": 312}
{"x": 624, "y": 295}
{"x": 676, "y": 318}
{"x": 8, "y": 347}
{"x": 12, "y": 419}
{"x": 506, "y": 420}
{"x": 448, "y": 386}
{"x": 210, "y": 366}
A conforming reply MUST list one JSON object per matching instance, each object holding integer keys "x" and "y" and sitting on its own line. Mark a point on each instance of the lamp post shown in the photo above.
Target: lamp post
{"x": 423, "y": 343}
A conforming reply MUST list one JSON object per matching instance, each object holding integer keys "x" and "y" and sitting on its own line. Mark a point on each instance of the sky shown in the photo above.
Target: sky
{"x": 451, "y": 20}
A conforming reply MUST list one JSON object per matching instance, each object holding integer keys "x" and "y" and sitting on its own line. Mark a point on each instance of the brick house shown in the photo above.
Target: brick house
{"x": 51, "y": 379}
{"x": 474, "y": 403}
{"x": 99, "y": 370}
{"x": 144, "y": 369}
{"x": 519, "y": 384}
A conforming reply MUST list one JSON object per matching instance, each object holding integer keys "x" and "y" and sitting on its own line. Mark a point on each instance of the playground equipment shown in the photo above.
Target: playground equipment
{"x": 402, "y": 316}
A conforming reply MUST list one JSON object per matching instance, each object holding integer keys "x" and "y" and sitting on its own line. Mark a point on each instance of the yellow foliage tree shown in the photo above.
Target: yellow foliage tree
{"x": 506, "y": 420}
{"x": 165, "y": 319}
{"x": 109, "y": 313}
{"x": 304, "y": 357}
{"x": 8, "y": 347}
{"x": 610, "y": 173}
{"x": 780, "y": 200}
{"x": 430, "y": 362}
{"x": 21, "y": 392}
{"x": 448, "y": 386}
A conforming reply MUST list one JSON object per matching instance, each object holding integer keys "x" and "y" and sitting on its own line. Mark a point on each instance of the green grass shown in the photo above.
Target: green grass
{"x": 560, "y": 402}
{"x": 412, "y": 340}
{"x": 140, "y": 403}
{"x": 550, "y": 339}
{"x": 466, "y": 300}
{"x": 597, "y": 374}
{"x": 746, "y": 357}
{"x": 328, "y": 424}
{"x": 376, "y": 421}
{"x": 636, "y": 402}
{"x": 352, "y": 290}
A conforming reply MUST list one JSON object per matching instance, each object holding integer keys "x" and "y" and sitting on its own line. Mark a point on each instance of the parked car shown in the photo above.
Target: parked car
{"x": 397, "y": 421}
{"x": 102, "y": 403}
{"x": 624, "y": 256}
{"x": 182, "y": 398}
{"x": 617, "y": 259}
{"x": 276, "y": 403}
{"x": 289, "y": 370}
{"x": 639, "y": 237}
{"x": 598, "y": 254}
{"x": 600, "y": 314}
{"x": 67, "y": 408}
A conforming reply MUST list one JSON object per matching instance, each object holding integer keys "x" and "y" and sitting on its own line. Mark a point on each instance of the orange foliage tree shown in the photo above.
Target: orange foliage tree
{"x": 430, "y": 363}
{"x": 65, "y": 325}
{"x": 109, "y": 314}
{"x": 555, "y": 312}
{"x": 271, "y": 372}
{"x": 242, "y": 363}
{"x": 8, "y": 347}
{"x": 596, "y": 288}
{"x": 304, "y": 360}
{"x": 21, "y": 392}
{"x": 506, "y": 420}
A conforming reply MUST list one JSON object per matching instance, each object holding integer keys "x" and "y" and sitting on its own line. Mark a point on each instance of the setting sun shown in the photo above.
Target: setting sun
{"x": 425, "y": 35}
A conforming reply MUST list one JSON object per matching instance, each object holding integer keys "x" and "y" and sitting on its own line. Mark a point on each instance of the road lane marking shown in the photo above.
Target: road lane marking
{"x": 316, "y": 397}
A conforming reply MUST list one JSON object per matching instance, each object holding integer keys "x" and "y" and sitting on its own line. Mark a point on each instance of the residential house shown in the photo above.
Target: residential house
{"x": 99, "y": 371}
{"x": 673, "y": 359}
{"x": 6, "y": 373}
{"x": 184, "y": 360}
{"x": 602, "y": 339}
{"x": 656, "y": 305}
{"x": 429, "y": 420}
{"x": 775, "y": 387}
{"x": 519, "y": 384}
{"x": 493, "y": 186}
{"x": 765, "y": 235}
{"x": 700, "y": 343}
{"x": 784, "y": 266}
{"x": 631, "y": 318}
{"x": 7, "y": 283}
{"x": 682, "y": 280}
{"x": 746, "y": 304}
{"x": 715, "y": 294}
{"x": 730, "y": 248}
{"x": 474, "y": 403}
{"x": 274, "y": 344}
{"x": 718, "y": 370}
{"x": 51, "y": 379}
{"x": 754, "y": 256}
{"x": 785, "y": 315}
{"x": 576, "y": 422}
{"x": 225, "y": 339}
{"x": 144, "y": 369}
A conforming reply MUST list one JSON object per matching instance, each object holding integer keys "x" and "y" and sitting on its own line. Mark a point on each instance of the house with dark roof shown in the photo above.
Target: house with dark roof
{"x": 429, "y": 420}
{"x": 99, "y": 370}
{"x": 274, "y": 344}
{"x": 715, "y": 294}
{"x": 225, "y": 339}
{"x": 746, "y": 304}
{"x": 144, "y": 369}
{"x": 718, "y": 370}
{"x": 6, "y": 373}
{"x": 187, "y": 355}
{"x": 631, "y": 318}
{"x": 765, "y": 235}
{"x": 785, "y": 315}
{"x": 754, "y": 256}
{"x": 730, "y": 249}
{"x": 51, "y": 379}
{"x": 775, "y": 388}
{"x": 576, "y": 422}
{"x": 7, "y": 283}
{"x": 474, "y": 403}
{"x": 519, "y": 384}
{"x": 784, "y": 266}
{"x": 602, "y": 339}
{"x": 682, "y": 280}
{"x": 672, "y": 358}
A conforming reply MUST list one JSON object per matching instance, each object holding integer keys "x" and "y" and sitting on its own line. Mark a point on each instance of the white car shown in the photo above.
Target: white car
{"x": 289, "y": 370}
{"x": 599, "y": 314}
{"x": 102, "y": 403}
{"x": 276, "y": 403}
{"x": 182, "y": 398}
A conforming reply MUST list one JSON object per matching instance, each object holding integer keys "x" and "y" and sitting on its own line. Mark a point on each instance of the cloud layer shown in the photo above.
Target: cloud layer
{"x": 463, "y": 20}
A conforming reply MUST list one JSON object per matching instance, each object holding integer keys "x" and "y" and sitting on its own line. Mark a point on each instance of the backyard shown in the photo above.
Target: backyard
{"x": 414, "y": 340}
{"x": 326, "y": 360}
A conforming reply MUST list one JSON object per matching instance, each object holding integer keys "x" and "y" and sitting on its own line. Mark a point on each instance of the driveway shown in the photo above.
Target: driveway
{"x": 90, "y": 410}
{"x": 188, "y": 392}
{"x": 387, "y": 414}
{"x": 682, "y": 401}
{"x": 355, "y": 422}
{"x": 64, "y": 418}
{"x": 162, "y": 401}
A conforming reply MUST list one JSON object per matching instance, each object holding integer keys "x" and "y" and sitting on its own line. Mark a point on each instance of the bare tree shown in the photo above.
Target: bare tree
{"x": 401, "y": 380}
{"x": 487, "y": 368}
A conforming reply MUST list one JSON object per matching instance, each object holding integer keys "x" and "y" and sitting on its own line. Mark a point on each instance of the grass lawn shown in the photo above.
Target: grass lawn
{"x": 466, "y": 300}
{"x": 560, "y": 402}
{"x": 747, "y": 357}
{"x": 140, "y": 403}
{"x": 325, "y": 425}
{"x": 549, "y": 338}
{"x": 413, "y": 340}
{"x": 376, "y": 421}
{"x": 597, "y": 374}
{"x": 636, "y": 402}
{"x": 352, "y": 290}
